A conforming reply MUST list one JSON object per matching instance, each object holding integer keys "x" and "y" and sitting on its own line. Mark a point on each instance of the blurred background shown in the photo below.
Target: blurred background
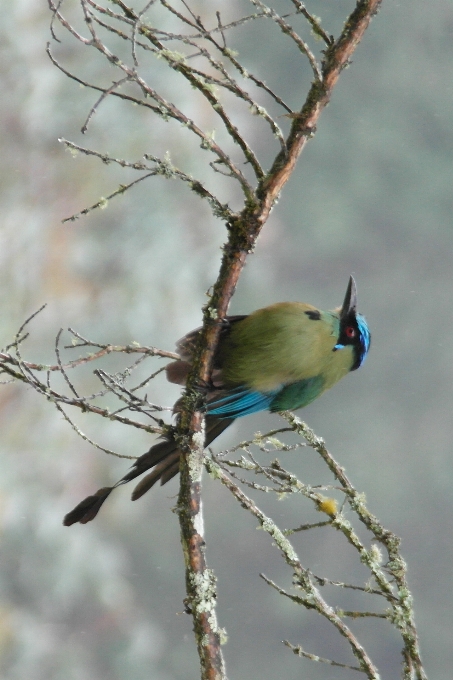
{"x": 372, "y": 196}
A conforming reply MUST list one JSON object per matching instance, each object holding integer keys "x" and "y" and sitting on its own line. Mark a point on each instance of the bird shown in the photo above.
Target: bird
{"x": 278, "y": 358}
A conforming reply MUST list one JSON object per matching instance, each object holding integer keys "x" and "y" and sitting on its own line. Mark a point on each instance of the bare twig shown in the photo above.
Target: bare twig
{"x": 83, "y": 436}
{"x": 313, "y": 21}
{"x": 397, "y": 593}
{"x": 105, "y": 94}
{"x": 311, "y": 597}
{"x": 297, "y": 649}
{"x": 288, "y": 30}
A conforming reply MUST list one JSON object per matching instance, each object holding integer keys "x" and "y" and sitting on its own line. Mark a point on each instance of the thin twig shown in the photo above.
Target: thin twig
{"x": 87, "y": 439}
{"x": 312, "y": 598}
{"x": 314, "y": 22}
{"x": 105, "y": 94}
{"x": 399, "y": 597}
{"x": 297, "y": 649}
{"x": 288, "y": 30}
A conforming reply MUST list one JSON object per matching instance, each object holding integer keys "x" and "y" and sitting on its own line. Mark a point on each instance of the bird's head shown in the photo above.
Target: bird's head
{"x": 353, "y": 327}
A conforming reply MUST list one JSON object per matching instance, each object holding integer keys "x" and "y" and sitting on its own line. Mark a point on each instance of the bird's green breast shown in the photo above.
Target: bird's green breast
{"x": 289, "y": 342}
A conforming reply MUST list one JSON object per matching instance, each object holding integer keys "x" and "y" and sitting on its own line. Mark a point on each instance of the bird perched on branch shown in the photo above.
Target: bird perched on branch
{"x": 278, "y": 358}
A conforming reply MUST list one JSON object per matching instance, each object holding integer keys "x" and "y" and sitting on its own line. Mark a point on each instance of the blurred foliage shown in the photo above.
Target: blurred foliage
{"x": 371, "y": 196}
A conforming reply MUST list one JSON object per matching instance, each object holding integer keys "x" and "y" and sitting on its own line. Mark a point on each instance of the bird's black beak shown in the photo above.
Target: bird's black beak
{"x": 350, "y": 300}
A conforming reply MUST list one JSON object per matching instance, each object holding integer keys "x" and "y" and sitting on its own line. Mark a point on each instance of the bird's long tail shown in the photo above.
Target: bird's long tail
{"x": 162, "y": 457}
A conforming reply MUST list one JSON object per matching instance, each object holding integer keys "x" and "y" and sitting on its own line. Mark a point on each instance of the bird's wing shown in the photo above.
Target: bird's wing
{"x": 239, "y": 402}
{"x": 186, "y": 345}
{"x": 178, "y": 371}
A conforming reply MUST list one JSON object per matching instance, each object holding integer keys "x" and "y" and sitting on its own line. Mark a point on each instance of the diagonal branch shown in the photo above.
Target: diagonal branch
{"x": 399, "y": 597}
{"x": 311, "y": 596}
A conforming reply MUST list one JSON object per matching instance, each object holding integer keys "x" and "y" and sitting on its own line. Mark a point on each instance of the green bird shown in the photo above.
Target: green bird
{"x": 279, "y": 358}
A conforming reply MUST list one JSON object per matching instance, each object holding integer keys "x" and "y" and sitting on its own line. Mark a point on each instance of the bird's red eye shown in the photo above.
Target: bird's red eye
{"x": 350, "y": 331}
